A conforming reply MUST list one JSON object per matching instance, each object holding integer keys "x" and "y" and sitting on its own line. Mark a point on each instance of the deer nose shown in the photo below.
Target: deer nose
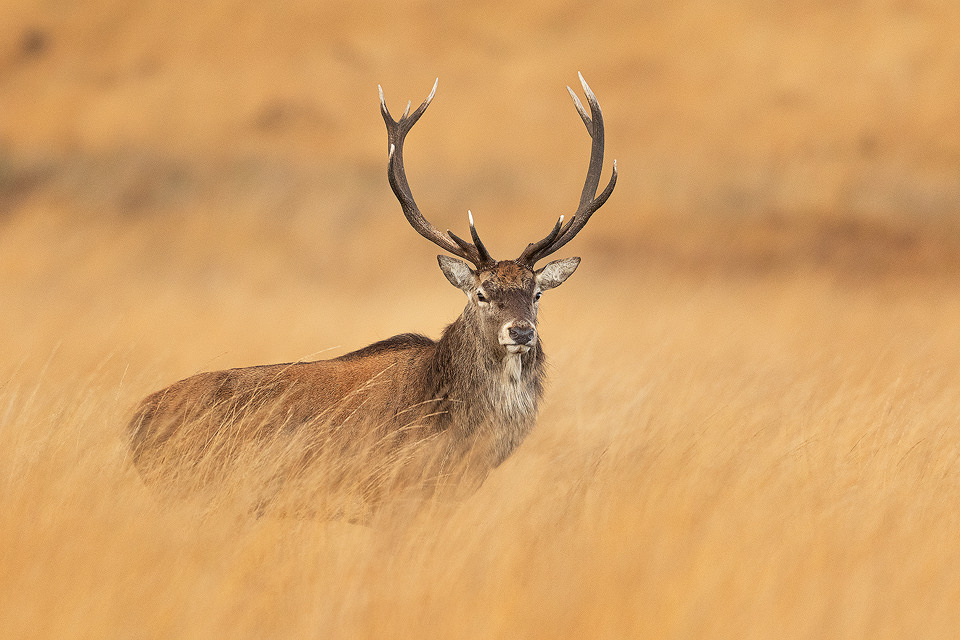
{"x": 521, "y": 335}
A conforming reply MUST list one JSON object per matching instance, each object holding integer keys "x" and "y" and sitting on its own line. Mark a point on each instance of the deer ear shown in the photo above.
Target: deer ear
{"x": 458, "y": 273}
{"x": 554, "y": 273}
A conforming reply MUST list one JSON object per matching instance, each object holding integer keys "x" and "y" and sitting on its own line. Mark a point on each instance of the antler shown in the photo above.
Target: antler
{"x": 589, "y": 200}
{"x": 396, "y": 132}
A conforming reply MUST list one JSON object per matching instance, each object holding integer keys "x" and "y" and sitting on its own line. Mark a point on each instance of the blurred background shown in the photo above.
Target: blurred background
{"x": 231, "y": 153}
{"x": 750, "y": 424}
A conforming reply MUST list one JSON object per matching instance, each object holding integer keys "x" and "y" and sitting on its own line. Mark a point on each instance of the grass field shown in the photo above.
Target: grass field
{"x": 750, "y": 429}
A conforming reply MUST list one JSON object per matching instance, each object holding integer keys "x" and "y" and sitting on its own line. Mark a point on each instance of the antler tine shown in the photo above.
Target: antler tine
{"x": 594, "y": 126}
{"x": 482, "y": 250}
{"x": 482, "y": 253}
{"x": 407, "y": 120}
{"x": 589, "y": 200}
{"x": 534, "y": 248}
{"x": 580, "y": 218}
{"x": 396, "y": 133}
{"x": 580, "y": 109}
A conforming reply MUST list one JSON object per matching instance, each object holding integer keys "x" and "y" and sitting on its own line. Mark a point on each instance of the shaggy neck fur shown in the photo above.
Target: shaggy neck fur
{"x": 486, "y": 394}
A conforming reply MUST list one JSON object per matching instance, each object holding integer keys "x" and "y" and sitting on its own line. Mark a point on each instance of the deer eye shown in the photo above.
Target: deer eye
{"x": 481, "y": 297}
{"x": 537, "y": 295}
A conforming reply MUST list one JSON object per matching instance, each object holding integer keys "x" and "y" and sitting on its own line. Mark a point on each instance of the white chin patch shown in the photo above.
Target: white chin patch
{"x": 517, "y": 348}
{"x": 512, "y": 367}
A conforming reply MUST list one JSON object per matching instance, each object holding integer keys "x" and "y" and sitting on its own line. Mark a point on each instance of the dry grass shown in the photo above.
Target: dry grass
{"x": 749, "y": 459}
{"x": 750, "y": 429}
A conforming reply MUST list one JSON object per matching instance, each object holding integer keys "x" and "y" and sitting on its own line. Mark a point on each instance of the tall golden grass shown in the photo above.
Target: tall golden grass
{"x": 768, "y": 456}
{"x": 750, "y": 428}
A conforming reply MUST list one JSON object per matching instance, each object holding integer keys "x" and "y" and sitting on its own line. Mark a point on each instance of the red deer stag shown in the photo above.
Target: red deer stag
{"x": 474, "y": 392}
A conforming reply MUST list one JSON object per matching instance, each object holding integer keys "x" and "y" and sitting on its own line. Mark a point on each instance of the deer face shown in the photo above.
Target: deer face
{"x": 504, "y": 298}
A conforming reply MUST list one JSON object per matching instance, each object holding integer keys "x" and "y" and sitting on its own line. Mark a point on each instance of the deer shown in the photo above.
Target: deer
{"x": 469, "y": 398}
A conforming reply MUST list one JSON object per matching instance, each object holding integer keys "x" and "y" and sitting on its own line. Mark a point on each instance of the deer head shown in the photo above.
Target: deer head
{"x": 503, "y": 295}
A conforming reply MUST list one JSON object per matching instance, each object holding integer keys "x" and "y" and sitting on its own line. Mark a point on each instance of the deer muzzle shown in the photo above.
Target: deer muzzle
{"x": 518, "y": 337}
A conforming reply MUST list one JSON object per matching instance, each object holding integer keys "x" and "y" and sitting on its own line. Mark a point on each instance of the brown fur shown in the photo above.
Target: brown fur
{"x": 450, "y": 396}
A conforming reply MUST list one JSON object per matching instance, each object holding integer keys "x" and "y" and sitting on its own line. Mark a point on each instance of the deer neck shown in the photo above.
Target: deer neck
{"x": 476, "y": 370}
{"x": 487, "y": 400}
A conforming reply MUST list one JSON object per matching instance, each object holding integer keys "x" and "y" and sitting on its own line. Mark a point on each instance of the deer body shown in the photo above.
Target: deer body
{"x": 473, "y": 395}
